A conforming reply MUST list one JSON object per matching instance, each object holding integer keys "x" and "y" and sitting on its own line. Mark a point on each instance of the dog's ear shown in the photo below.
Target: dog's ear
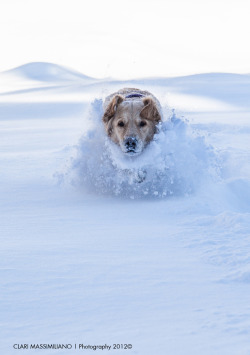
{"x": 150, "y": 110}
{"x": 112, "y": 107}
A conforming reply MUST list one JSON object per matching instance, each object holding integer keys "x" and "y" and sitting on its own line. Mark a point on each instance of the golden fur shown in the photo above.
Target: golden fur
{"x": 131, "y": 122}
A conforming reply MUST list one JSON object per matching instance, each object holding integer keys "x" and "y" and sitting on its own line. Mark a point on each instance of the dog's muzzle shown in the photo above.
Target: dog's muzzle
{"x": 131, "y": 144}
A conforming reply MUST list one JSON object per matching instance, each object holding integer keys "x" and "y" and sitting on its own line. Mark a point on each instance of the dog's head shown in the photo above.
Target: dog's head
{"x": 131, "y": 123}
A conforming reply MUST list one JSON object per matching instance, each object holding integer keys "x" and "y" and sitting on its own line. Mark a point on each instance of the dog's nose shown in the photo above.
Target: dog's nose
{"x": 130, "y": 143}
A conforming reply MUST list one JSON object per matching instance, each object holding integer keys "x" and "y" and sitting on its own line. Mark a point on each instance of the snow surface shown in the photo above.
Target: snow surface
{"x": 91, "y": 255}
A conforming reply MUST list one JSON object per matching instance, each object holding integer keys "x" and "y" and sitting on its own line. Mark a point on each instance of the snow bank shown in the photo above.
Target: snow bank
{"x": 174, "y": 163}
{"x": 45, "y": 72}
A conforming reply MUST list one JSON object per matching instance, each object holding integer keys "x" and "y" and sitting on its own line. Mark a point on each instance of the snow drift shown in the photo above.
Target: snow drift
{"x": 46, "y": 72}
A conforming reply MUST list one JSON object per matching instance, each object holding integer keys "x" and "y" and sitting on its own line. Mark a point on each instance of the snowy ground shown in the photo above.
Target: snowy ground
{"x": 168, "y": 274}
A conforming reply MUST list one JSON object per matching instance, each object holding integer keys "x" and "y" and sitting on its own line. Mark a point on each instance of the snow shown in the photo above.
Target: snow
{"x": 40, "y": 76}
{"x": 95, "y": 261}
{"x": 172, "y": 164}
{"x": 40, "y": 71}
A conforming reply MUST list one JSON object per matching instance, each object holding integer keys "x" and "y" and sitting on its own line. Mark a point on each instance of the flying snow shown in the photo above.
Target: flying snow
{"x": 174, "y": 163}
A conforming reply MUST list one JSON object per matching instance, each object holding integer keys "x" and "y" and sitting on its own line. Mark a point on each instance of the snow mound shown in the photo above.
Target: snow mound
{"x": 228, "y": 88}
{"x": 174, "y": 163}
{"x": 46, "y": 72}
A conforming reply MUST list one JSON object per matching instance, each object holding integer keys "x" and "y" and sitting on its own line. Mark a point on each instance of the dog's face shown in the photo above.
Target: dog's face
{"x": 131, "y": 124}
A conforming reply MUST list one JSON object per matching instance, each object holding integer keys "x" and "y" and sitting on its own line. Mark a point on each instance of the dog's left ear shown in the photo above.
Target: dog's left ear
{"x": 150, "y": 110}
{"x": 112, "y": 107}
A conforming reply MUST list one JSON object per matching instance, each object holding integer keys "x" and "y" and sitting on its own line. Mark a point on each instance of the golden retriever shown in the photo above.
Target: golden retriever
{"x": 130, "y": 119}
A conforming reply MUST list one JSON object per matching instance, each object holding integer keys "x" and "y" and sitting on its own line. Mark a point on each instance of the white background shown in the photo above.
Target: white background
{"x": 127, "y": 38}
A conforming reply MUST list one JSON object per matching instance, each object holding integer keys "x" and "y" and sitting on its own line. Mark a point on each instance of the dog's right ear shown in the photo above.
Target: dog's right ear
{"x": 150, "y": 110}
{"x": 112, "y": 107}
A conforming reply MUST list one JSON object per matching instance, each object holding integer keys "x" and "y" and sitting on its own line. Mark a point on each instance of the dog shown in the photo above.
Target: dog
{"x": 130, "y": 119}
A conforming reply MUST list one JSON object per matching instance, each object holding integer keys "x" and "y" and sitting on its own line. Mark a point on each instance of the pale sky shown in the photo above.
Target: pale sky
{"x": 125, "y": 39}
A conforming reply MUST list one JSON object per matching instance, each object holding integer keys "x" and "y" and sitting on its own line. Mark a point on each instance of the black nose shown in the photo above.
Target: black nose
{"x": 130, "y": 143}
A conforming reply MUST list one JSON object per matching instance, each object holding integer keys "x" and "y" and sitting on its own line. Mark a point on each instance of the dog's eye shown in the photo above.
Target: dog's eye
{"x": 142, "y": 124}
{"x": 121, "y": 124}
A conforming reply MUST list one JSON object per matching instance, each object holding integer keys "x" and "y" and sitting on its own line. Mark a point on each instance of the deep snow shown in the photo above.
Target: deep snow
{"x": 173, "y": 164}
{"x": 94, "y": 261}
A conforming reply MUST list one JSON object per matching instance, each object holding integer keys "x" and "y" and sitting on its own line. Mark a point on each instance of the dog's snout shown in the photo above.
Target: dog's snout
{"x": 130, "y": 143}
